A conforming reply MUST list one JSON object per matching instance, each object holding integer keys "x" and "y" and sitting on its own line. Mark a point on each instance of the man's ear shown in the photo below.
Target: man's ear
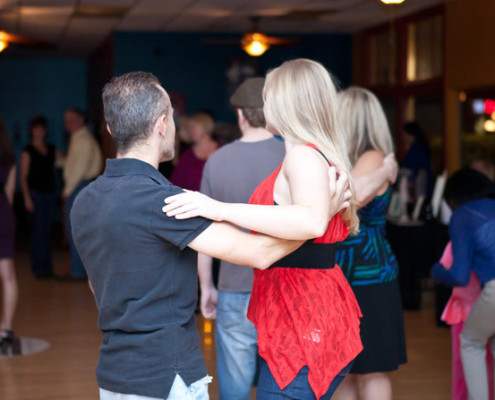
{"x": 161, "y": 124}
{"x": 240, "y": 116}
{"x": 109, "y": 131}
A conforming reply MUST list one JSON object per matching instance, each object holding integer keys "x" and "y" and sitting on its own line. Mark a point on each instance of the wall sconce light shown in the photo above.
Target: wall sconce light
{"x": 392, "y": 1}
{"x": 255, "y": 44}
{"x": 3, "y": 45}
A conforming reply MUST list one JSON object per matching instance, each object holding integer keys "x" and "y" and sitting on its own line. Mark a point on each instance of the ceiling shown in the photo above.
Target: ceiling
{"x": 76, "y": 27}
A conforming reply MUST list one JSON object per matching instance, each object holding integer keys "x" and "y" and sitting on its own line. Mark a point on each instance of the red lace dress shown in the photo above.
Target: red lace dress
{"x": 304, "y": 316}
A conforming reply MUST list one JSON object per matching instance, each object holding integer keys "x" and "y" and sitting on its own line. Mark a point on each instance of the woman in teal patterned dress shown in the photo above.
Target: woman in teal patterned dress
{"x": 366, "y": 258}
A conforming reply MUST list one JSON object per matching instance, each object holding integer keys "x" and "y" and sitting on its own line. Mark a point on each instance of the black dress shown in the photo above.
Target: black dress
{"x": 371, "y": 268}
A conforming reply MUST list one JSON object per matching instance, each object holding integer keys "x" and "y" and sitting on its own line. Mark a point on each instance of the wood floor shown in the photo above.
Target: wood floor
{"x": 65, "y": 315}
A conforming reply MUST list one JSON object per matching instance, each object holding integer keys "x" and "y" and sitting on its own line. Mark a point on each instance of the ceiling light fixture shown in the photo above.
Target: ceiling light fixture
{"x": 255, "y": 44}
{"x": 392, "y": 1}
{"x": 3, "y": 45}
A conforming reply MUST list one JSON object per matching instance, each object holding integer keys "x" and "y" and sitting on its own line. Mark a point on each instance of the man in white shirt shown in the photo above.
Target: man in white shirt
{"x": 84, "y": 162}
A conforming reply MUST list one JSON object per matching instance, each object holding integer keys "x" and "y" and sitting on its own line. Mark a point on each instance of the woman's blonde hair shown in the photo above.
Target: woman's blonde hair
{"x": 364, "y": 122}
{"x": 204, "y": 120}
{"x": 300, "y": 101}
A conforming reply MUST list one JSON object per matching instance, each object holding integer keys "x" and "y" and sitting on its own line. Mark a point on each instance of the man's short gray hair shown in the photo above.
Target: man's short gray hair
{"x": 132, "y": 104}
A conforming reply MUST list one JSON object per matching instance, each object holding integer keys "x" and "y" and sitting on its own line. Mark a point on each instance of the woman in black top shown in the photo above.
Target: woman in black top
{"x": 38, "y": 189}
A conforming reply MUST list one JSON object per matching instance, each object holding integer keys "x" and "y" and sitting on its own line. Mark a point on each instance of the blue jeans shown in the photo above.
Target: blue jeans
{"x": 298, "y": 389}
{"x": 235, "y": 339}
{"x": 76, "y": 266}
{"x": 41, "y": 221}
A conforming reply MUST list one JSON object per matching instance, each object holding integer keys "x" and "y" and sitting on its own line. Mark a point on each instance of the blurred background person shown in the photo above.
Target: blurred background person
{"x": 483, "y": 161}
{"x": 366, "y": 258}
{"x": 455, "y": 314}
{"x": 417, "y": 162}
{"x": 189, "y": 169}
{"x": 7, "y": 236}
{"x": 472, "y": 232}
{"x": 84, "y": 162}
{"x": 231, "y": 175}
{"x": 37, "y": 176}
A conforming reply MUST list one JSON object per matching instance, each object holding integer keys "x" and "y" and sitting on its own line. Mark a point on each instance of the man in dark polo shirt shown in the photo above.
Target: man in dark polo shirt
{"x": 142, "y": 264}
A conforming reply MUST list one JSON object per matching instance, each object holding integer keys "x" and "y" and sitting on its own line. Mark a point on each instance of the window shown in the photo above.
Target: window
{"x": 424, "y": 49}
{"x": 383, "y": 59}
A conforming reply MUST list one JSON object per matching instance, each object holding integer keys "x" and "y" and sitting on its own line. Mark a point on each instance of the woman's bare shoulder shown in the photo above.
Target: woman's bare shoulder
{"x": 301, "y": 158}
{"x": 371, "y": 159}
{"x": 302, "y": 152}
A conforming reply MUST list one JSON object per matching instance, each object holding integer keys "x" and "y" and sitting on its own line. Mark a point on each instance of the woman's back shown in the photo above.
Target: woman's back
{"x": 304, "y": 316}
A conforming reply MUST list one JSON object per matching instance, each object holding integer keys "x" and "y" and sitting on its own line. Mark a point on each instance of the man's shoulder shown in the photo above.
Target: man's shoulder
{"x": 238, "y": 148}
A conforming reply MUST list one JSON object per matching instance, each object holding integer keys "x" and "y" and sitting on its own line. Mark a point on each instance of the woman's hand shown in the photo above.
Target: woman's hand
{"x": 340, "y": 193}
{"x": 192, "y": 204}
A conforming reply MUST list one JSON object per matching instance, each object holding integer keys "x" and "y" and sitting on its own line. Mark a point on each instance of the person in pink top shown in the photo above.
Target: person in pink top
{"x": 455, "y": 314}
{"x": 189, "y": 169}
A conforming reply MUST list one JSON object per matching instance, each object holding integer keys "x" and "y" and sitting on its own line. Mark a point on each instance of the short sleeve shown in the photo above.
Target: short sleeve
{"x": 178, "y": 232}
{"x": 205, "y": 181}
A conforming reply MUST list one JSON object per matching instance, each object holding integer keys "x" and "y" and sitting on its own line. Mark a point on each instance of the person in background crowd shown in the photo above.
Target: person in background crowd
{"x": 484, "y": 161}
{"x": 472, "y": 232}
{"x": 418, "y": 161}
{"x": 83, "y": 163}
{"x": 37, "y": 176}
{"x": 189, "y": 169}
{"x": 455, "y": 314}
{"x": 231, "y": 174}
{"x": 366, "y": 258}
{"x": 7, "y": 237}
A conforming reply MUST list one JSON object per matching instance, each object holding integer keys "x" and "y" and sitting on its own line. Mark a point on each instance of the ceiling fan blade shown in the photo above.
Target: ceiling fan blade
{"x": 21, "y": 39}
{"x": 220, "y": 41}
{"x": 279, "y": 41}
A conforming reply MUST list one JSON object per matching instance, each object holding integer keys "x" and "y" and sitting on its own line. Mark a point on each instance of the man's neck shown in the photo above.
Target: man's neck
{"x": 251, "y": 134}
{"x": 142, "y": 153}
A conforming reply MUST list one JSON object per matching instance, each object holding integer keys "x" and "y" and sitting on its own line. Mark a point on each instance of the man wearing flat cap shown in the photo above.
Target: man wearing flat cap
{"x": 230, "y": 175}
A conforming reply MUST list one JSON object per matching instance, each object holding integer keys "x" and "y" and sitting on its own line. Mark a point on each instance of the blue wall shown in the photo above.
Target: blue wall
{"x": 198, "y": 72}
{"x": 183, "y": 64}
{"x": 46, "y": 87}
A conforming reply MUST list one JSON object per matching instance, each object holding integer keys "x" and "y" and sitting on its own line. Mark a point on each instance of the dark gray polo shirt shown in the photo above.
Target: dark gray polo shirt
{"x": 144, "y": 277}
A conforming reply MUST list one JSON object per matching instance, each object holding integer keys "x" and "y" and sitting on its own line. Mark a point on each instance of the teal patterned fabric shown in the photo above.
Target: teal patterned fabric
{"x": 366, "y": 258}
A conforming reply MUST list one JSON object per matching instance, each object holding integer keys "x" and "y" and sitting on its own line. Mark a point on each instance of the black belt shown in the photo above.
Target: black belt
{"x": 309, "y": 256}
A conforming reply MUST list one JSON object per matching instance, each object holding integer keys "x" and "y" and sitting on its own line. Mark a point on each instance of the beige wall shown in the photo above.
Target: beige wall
{"x": 469, "y": 61}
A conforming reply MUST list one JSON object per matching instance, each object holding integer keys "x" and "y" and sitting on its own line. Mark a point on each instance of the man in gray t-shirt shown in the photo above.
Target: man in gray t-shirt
{"x": 230, "y": 175}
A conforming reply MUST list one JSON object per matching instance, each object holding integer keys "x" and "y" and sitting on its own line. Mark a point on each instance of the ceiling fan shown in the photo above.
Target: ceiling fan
{"x": 254, "y": 42}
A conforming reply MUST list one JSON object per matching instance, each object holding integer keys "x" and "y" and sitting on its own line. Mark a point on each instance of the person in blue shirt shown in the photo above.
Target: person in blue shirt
{"x": 418, "y": 161}
{"x": 472, "y": 232}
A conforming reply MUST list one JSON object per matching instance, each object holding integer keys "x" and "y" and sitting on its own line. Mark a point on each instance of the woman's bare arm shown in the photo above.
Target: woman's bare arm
{"x": 372, "y": 175}
{"x": 10, "y": 186}
{"x": 316, "y": 196}
{"x": 26, "y": 194}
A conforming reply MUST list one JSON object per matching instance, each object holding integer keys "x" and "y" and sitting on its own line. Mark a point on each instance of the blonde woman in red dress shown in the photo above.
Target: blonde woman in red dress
{"x": 304, "y": 310}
